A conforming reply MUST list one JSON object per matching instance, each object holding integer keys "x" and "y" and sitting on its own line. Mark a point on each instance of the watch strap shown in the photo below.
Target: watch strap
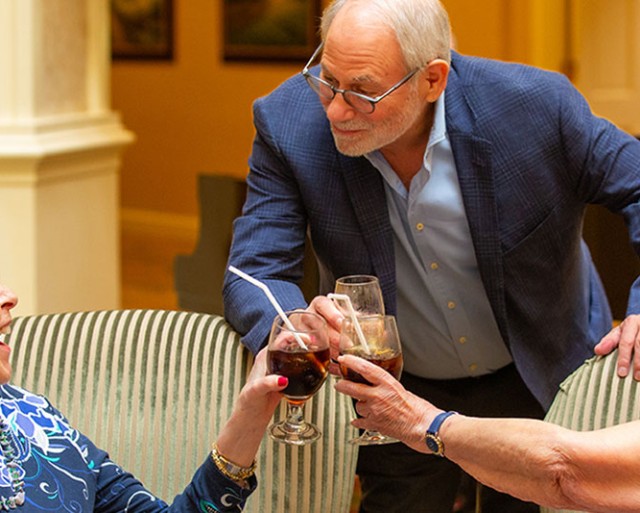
{"x": 432, "y": 437}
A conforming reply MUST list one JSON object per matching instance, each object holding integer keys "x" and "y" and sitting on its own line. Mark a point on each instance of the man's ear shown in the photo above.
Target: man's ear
{"x": 435, "y": 74}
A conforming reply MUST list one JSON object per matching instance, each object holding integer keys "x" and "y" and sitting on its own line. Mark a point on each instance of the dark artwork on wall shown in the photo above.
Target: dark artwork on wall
{"x": 142, "y": 29}
{"x": 277, "y": 30}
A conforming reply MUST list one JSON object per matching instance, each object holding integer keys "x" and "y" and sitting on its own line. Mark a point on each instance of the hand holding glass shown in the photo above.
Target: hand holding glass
{"x": 306, "y": 369}
{"x": 383, "y": 349}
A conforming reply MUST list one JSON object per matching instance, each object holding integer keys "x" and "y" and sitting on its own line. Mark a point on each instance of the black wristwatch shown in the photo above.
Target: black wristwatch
{"x": 432, "y": 438}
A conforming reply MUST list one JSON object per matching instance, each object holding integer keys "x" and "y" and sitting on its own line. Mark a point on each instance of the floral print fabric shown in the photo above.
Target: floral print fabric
{"x": 64, "y": 471}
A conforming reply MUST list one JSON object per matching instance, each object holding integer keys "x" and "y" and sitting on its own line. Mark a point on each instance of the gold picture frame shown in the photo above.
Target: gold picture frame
{"x": 142, "y": 29}
{"x": 275, "y": 30}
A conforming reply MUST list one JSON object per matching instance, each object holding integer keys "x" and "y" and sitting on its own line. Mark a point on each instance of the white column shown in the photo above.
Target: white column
{"x": 60, "y": 148}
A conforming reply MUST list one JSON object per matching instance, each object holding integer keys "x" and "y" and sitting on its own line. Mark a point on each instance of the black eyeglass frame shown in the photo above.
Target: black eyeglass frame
{"x": 312, "y": 80}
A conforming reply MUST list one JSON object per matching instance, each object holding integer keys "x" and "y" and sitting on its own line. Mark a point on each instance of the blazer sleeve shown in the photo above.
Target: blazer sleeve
{"x": 610, "y": 161}
{"x": 269, "y": 236}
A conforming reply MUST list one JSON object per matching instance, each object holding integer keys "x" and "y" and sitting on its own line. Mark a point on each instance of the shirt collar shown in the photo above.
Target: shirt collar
{"x": 438, "y": 132}
{"x": 439, "y": 128}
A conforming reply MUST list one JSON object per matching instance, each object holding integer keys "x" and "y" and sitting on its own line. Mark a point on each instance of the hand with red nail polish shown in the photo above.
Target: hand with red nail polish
{"x": 240, "y": 437}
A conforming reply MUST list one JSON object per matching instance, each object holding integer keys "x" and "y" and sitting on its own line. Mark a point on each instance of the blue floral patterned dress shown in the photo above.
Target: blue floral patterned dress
{"x": 63, "y": 470}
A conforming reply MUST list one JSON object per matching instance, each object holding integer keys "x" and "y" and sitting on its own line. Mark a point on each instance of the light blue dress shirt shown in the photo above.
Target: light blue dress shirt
{"x": 445, "y": 321}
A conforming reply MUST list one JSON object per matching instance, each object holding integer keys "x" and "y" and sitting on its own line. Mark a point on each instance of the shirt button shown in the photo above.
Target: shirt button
{"x": 434, "y": 265}
{"x": 451, "y": 305}
{"x": 473, "y": 367}
{"x": 462, "y": 340}
{"x": 419, "y": 227}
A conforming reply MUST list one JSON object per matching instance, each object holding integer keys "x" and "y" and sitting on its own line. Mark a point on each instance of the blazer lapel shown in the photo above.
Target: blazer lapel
{"x": 475, "y": 174}
{"x": 366, "y": 190}
{"x": 472, "y": 155}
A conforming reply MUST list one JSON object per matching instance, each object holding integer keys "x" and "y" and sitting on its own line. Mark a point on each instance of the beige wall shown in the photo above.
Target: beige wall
{"x": 193, "y": 115}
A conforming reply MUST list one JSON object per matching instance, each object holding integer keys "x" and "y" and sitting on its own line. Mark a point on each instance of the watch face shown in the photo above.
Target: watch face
{"x": 434, "y": 444}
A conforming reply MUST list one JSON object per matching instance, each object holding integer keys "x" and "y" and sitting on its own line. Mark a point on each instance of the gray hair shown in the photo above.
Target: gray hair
{"x": 421, "y": 26}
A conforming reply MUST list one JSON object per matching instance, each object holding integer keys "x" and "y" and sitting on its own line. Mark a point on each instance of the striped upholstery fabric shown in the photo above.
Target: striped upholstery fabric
{"x": 153, "y": 388}
{"x": 595, "y": 397}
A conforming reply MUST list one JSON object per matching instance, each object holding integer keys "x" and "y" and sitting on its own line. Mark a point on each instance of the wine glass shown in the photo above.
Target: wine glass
{"x": 378, "y": 342}
{"x": 299, "y": 350}
{"x": 364, "y": 292}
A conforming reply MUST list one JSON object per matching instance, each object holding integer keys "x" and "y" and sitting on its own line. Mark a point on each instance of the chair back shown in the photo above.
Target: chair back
{"x": 594, "y": 397}
{"x": 153, "y": 388}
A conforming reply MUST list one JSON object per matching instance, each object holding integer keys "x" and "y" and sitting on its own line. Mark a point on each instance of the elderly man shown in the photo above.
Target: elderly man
{"x": 461, "y": 183}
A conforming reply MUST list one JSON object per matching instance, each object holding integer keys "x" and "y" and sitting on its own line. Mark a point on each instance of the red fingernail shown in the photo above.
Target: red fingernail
{"x": 283, "y": 381}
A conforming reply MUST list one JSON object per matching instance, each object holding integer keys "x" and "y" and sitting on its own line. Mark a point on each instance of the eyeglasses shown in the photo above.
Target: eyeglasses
{"x": 360, "y": 102}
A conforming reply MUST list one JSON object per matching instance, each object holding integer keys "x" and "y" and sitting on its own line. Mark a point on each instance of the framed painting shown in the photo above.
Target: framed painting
{"x": 142, "y": 29}
{"x": 277, "y": 30}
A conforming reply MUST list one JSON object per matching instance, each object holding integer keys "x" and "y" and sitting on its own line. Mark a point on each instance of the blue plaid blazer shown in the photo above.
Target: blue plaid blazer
{"x": 530, "y": 156}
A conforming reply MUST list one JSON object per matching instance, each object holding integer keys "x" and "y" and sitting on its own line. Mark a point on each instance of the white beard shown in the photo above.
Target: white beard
{"x": 378, "y": 134}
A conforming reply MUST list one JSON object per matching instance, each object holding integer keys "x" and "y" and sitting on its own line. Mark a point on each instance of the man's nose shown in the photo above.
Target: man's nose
{"x": 339, "y": 110}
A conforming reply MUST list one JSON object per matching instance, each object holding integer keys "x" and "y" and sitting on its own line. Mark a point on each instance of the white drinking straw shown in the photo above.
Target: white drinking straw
{"x": 354, "y": 318}
{"x": 275, "y": 304}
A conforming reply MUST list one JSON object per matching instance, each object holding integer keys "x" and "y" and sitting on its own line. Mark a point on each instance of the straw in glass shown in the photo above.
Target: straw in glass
{"x": 273, "y": 301}
{"x": 354, "y": 318}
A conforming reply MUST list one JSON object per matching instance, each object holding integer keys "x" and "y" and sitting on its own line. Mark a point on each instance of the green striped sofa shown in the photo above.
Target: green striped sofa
{"x": 153, "y": 388}
{"x": 595, "y": 397}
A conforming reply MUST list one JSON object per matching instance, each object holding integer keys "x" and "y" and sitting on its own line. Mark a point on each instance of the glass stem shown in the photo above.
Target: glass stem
{"x": 295, "y": 418}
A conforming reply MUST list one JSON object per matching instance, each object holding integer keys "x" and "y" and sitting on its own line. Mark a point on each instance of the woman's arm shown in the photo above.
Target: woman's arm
{"x": 597, "y": 471}
{"x": 239, "y": 439}
{"x": 238, "y": 442}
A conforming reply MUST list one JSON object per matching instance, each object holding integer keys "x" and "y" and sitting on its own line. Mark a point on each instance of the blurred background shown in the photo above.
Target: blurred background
{"x": 176, "y": 80}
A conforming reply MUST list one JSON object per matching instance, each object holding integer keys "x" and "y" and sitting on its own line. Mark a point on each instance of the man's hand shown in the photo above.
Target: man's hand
{"x": 626, "y": 337}
{"x": 326, "y": 308}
